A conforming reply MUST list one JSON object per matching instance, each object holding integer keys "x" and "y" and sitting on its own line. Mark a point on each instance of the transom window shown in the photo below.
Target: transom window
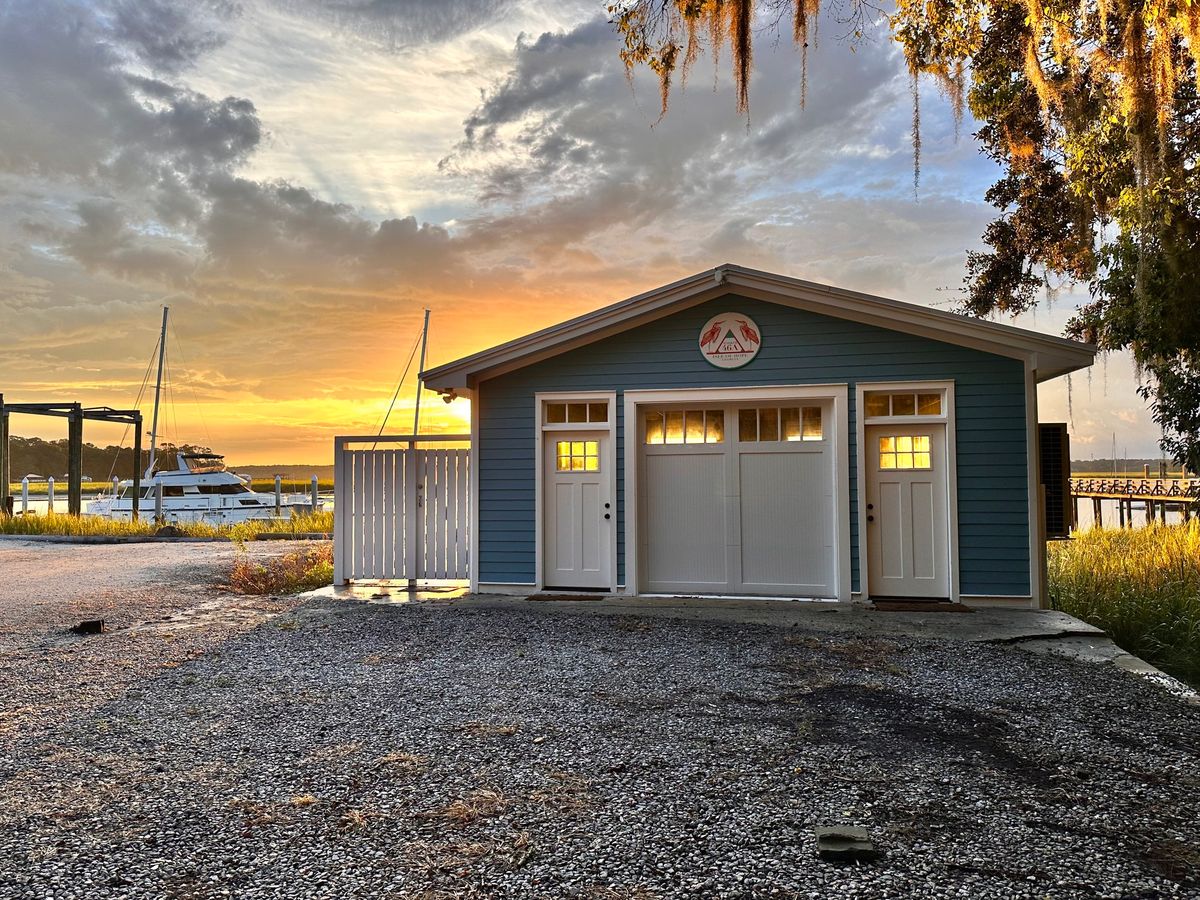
{"x": 904, "y": 451}
{"x": 685, "y": 426}
{"x": 902, "y": 403}
{"x": 578, "y": 456}
{"x": 773, "y": 423}
{"x": 579, "y": 412}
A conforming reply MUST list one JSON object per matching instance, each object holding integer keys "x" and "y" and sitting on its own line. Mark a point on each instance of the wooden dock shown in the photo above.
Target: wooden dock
{"x": 1156, "y": 493}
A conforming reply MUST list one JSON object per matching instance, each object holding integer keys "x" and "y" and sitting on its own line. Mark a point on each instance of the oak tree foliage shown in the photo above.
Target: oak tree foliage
{"x": 1092, "y": 109}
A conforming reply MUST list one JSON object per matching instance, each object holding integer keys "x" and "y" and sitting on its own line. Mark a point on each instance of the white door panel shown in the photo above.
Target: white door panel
{"x": 907, "y": 511}
{"x": 786, "y": 516}
{"x": 734, "y": 516}
{"x": 685, "y": 520}
{"x": 577, "y": 539}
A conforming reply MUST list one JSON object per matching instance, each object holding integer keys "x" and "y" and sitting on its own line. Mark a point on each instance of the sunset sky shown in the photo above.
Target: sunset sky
{"x": 298, "y": 179}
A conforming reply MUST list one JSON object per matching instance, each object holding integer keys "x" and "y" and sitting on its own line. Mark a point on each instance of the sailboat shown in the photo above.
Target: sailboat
{"x": 199, "y": 488}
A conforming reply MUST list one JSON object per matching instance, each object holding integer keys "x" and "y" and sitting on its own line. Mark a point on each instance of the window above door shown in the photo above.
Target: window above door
{"x": 914, "y": 404}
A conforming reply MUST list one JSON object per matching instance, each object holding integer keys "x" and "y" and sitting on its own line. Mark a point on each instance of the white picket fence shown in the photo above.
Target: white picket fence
{"x": 402, "y": 508}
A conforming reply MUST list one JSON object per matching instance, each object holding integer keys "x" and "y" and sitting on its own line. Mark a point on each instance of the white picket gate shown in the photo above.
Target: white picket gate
{"x": 401, "y": 513}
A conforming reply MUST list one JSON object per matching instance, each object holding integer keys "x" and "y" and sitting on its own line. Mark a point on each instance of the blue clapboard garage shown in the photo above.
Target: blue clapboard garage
{"x": 739, "y": 433}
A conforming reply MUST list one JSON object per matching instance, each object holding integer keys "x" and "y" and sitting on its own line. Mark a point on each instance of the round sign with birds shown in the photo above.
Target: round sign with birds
{"x": 730, "y": 340}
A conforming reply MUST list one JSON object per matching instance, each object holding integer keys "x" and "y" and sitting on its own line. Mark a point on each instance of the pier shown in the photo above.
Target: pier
{"x": 1156, "y": 493}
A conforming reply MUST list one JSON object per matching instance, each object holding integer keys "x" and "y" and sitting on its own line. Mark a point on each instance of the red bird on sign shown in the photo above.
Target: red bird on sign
{"x": 748, "y": 333}
{"x": 712, "y": 334}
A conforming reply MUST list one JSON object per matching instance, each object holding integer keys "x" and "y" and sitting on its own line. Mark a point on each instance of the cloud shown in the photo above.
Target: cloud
{"x": 402, "y": 24}
{"x": 272, "y": 172}
{"x": 170, "y": 35}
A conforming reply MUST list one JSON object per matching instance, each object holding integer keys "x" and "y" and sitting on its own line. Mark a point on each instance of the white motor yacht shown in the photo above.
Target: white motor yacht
{"x": 199, "y": 489}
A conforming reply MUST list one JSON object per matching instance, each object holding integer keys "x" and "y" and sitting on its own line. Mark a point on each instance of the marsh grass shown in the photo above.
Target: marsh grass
{"x": 291, "y": 573}
{"x": 64, "y": 525}
{"x": 1141, "y": 585}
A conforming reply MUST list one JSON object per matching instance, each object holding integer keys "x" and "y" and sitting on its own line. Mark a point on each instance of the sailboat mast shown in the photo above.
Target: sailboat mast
{"x": 162, "y": 351}
{"x": 420, "y": 369}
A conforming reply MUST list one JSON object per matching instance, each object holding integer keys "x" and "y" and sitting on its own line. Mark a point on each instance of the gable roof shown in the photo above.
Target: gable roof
{"x": 1048, "y": 356}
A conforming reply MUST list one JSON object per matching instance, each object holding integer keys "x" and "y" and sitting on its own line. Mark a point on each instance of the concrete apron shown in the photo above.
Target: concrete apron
{"x": 1036, "y": 630}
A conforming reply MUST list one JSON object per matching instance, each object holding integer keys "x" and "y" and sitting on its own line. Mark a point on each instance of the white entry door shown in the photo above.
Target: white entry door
{"x": 578, "y": 532}
{"x": 906, "y": 506}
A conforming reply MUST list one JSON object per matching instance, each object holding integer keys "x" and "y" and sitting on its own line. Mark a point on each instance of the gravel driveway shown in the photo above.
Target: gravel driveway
{"x": 343, "y": 749}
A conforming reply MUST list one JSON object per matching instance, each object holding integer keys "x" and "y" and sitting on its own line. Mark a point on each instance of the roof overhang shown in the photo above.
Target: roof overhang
{"x": 1047, "y": 356}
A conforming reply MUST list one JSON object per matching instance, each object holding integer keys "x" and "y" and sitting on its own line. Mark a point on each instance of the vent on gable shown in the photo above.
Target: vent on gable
{"x": 1054, "y": 447}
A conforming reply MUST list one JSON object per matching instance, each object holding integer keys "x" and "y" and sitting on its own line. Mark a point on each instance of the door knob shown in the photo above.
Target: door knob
{"x": 870, "y": 506}
{"x": 608, "y": 515}
{"x": 870, "y": 518}
{"x": 607, "y": 505}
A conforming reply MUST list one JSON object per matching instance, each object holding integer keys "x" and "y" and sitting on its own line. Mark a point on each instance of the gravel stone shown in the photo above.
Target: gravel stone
{"x": 266, "y": 748}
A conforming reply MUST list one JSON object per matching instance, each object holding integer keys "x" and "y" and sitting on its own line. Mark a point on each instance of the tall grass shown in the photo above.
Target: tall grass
{"x": 98, "y": 526}
{"x": 303, "y": 570}
{"x": 1141, "y": 585}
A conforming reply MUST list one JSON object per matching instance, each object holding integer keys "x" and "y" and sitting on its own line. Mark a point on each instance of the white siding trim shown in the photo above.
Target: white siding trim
{"x": 610, "y": 460}
{"x": 473, "y": 486}
{"x": 837, "y": 394}
{"x": 860, "y": 427}
{"x": 1037, "y": 523}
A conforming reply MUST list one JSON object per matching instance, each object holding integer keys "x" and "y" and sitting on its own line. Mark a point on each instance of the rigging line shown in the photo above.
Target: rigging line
{"x": 137, "y": 404}
{"x": 399, "y": 384}
{"x": 190, "y": 387}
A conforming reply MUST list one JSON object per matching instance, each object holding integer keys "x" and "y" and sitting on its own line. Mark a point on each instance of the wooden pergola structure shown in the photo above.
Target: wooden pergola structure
{"x": 75, "y": 414}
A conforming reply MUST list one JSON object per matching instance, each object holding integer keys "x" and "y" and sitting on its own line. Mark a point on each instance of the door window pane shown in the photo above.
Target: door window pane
{"x": 877, "y": 404}
{"x": 556, "y": 413}
{"x": 768, "y": 424}
{"x": 905, "y": 451}
{"x": 812, "y": 430}
{"x": 654, "y": 428}
{"x": 747, "y": 424}
{"x": 675, "y": 427}
{"x": 577, "y": 412}
{"x": 685, "y": 426}
{"x": 577, "y": 456}
{"x": 790, "y": 423}
{"x": 714, "y": 426}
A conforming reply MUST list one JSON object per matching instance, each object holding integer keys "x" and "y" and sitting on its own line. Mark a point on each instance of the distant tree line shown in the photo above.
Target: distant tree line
{"x": 34, "y": 456}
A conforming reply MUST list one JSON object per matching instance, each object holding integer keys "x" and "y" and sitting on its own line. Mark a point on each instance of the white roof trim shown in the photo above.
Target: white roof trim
{"x": 1050, "y": 356}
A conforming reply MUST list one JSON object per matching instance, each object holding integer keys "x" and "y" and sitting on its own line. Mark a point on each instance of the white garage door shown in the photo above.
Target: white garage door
{"x": 738, "y": 499}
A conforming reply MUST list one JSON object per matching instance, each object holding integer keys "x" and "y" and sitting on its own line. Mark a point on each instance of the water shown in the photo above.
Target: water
{"x": 1109, "y": 516}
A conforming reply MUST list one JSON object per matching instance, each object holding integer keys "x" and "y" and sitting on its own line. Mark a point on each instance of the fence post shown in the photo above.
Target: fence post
{"x": 5, "y": 465}
{"x": 340, "y": 493}
{"x": 50, "y": 495}
{"x": 412, "y": 530}
{"x": 278, "y": 496}
{"x": 75, "y": 462}
{"x": 25, "y": 496}
{"x": 315, "y": 492}
{"x": 158, "y": 502}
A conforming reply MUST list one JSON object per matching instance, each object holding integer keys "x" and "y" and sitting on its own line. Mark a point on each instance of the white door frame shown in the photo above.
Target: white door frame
{"x": 860, "y": 428}
{"x": 540, "y": 399}
{"x": 838, "y": 397}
